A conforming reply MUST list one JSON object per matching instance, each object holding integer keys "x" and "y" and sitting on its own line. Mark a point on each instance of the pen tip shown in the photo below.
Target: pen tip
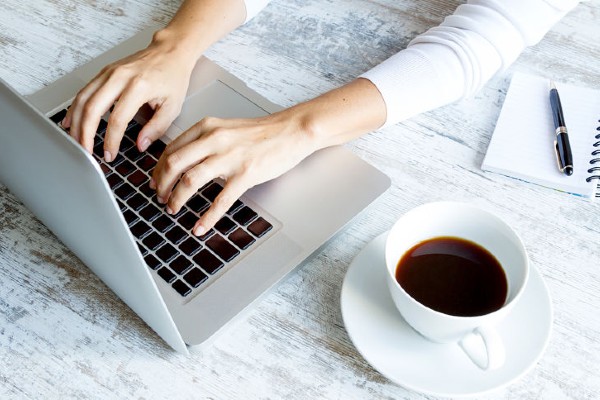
{"x": 569, "y": 171}
{"x": 552, "y": 85}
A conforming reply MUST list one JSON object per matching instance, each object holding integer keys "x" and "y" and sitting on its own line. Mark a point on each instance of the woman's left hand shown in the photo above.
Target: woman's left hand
{"x": 242, "y": 152}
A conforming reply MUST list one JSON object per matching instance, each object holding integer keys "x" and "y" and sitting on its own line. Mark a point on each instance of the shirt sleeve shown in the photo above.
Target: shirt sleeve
{"x": 456, "y": 58}
{"x": 253, "y": 7}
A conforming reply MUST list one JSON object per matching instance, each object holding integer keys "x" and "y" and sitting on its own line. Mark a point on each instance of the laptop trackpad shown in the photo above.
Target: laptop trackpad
{"x": 216, "y": 100}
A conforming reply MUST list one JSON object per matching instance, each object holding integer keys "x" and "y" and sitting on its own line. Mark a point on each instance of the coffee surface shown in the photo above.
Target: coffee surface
{"x": 453, "y": 276}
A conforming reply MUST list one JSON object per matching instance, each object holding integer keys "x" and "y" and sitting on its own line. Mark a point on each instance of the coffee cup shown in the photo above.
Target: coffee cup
{"x": 442, "y": 245}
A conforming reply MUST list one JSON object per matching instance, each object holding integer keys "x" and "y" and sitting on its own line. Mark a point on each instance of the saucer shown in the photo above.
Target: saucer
{"x": 391, "y": 346}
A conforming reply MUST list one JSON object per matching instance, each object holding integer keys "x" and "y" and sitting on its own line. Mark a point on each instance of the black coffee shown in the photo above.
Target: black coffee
{"x": 453, "y": 276}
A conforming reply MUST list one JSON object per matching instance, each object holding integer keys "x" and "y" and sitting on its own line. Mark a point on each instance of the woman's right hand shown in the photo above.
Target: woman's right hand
{"x": 158, "y": 75}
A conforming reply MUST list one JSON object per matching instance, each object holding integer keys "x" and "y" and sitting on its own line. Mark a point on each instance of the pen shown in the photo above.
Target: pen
{"x": 564, "y": 157}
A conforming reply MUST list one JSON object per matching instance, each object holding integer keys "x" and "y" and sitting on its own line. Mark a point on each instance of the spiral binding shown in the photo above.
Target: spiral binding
{"x": 595, "y": 170}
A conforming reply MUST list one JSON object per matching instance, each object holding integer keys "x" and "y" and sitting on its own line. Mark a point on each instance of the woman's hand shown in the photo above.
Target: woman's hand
{"x": 158, "y": 75}
{"x": 243, "y": 152}
{"x": 246, "y": 152}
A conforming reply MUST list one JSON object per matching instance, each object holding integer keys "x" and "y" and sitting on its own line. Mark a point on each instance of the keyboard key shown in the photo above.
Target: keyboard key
{"x": 180, "y": 265}
{"x": 147, "y": 190}
{"x": 181, "y": 288}
{"x": 114, "y": 180}
{"x": 99, "y": 150}
{"x": 212, "y": 191}
{"x": 152, "y": 262}
{"x": 166, "y": 274}
{"x": 195, "y": 277}
{"x": 105, "y": 169}
{"x": 157, "y": 148}
{"x": 188, "y": 220}
{"x": 132, "y": 131}
{"x": 244, "y": 215}
{"x": 143, "y": 250}
{"x": 130, "y": 217}
{"x": 181, "y": 211}
{"x": 137, "y": 201}
{"x": 125, "y": 168}
{"x": 207, "y": 234}
{"x": 146, "y": 163}
{"x": 150, "y": 212}
{"x": 137, "y": 178}
{"x": 140, "y": 229}
{"x": 208, "y": 262}
{"x": 101, "y": 127}
{"x": 225, "y": 225}
{"x": 122, "y": 206}
{"x": 236, "y": 206}
{"x": 190, "y": 246}
{"x": 133, "y": 154}
{"x": 176, "y": 235}
{"x": 59, "y": 116}
{"x": 166, "y": 253}
{"x": 153, "y": 241}
{"x": 197, "y": 204}
{"x": 125, "y": 145}
{"x": 222, "y": 247}
{"x": 259, "y": 227}
{"x": 163, "y": 223}
{"x": 125, "y": 191}
{"x": 241, "y": 239}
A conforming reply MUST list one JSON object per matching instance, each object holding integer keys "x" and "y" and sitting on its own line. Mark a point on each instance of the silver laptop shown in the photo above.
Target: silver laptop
{"x": 185, "y": 288}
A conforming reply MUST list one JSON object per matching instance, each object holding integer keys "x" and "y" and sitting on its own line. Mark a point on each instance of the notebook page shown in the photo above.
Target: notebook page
{"x": 522, "y": 145}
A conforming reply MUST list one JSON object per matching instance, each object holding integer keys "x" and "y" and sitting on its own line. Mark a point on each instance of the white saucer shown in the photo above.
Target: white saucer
{"x": 398, "y": 352}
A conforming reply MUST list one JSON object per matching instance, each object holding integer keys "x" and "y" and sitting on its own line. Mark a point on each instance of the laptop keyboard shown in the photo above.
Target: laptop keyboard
{"x": 186, "y": 262}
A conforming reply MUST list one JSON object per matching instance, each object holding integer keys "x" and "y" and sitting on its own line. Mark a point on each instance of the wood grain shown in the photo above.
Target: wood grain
{"x": 63, "y": 334}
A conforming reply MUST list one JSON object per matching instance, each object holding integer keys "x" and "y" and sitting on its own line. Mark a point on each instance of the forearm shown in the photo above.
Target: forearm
{"x": 340, "y": 115}
{"x": 198, "y": 24}
{"x": 457, "y": 58}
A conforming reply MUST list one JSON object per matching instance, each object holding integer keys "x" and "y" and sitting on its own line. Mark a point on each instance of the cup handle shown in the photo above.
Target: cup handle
{"x": 484, "y": 347}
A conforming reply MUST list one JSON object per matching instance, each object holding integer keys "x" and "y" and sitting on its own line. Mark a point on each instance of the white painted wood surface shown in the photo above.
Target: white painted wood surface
{"x": 63, "y": 334}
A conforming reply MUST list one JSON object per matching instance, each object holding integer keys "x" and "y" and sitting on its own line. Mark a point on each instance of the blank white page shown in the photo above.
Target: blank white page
{"x": 522, "y": 145}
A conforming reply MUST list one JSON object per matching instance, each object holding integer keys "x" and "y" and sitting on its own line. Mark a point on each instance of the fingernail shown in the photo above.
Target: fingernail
{"x": 152, "y": 183}
{"x": 199, "y": 230}
{"x": 107, "y": 156}
{"x": 145, "y": 144}
{"x": 160, "y": 200}
{"x": 169, "y": 210}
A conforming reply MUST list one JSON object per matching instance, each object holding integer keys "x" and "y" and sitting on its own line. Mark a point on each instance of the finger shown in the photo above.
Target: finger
{"x": 85, "y": 92}
{"x": 173, "y": 164}
{"x": 96, "y": 106}
{"x": 164, "y": 115}
{"x": 180, "y": 141}
{"x": 127, "y": 106}
{"x": 193, "y": 133}
{"x": 192, "y": 180}
{"x": 72, "y": 120}
{"x": 234, "y": 188}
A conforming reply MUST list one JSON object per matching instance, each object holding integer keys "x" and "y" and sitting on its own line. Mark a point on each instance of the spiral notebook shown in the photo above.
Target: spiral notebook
{"x": 522, "y": 145}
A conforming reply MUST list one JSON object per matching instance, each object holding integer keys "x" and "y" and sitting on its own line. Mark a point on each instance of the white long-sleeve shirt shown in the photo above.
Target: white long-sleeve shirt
{"x": 456, "y": 58}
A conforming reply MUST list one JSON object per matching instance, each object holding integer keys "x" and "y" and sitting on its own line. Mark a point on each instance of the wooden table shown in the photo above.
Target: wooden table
{"x": 63, "y": 334}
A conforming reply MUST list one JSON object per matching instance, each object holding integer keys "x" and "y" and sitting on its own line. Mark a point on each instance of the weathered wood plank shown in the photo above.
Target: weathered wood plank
{"x": 64, "y": 334}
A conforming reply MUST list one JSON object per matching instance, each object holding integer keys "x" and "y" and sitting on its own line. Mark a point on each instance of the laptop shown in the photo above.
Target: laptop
{"x": 187, "y": 289}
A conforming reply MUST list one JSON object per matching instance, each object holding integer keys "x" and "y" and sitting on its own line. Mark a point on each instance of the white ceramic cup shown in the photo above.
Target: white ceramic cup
{"x": 476, "y": 225}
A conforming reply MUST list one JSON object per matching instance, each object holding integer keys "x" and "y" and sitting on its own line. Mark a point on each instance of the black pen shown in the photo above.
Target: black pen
{"x": 564, "y": 157}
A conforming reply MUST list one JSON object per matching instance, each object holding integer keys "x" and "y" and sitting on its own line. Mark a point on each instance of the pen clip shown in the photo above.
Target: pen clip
{"x": 557, "y": 156}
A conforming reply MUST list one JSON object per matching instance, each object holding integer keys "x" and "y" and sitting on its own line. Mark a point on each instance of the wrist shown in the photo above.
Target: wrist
{"x": 177, "y": 44}
{"x": 340, "y": 115}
